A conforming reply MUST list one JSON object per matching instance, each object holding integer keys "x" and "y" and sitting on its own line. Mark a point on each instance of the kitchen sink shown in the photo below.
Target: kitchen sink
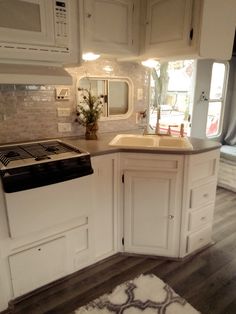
{"x": 134, "y": 140}
{"x": 151, "y": 142}
{"x": 175, "y": 142}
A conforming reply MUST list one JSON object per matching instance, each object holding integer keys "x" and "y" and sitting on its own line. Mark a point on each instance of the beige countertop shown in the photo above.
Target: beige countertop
{"x": 101, "y": 146}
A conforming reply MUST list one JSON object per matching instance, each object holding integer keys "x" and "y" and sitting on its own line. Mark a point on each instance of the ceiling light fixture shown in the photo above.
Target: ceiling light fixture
{"x": 90, "y": 56}
{"x": 150, "y": 63}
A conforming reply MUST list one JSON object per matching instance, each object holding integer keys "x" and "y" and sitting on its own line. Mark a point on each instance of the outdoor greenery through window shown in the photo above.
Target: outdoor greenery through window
{"x": 216, "y": 99}
{"x": 171, "y": 89}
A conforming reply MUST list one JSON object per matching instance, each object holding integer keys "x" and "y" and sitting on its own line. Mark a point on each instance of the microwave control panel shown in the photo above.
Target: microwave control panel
{"x": 61, "y": 13}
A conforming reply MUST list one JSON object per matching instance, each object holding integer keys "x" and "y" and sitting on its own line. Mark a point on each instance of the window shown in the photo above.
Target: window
{"x": 171, "y": 89}
{"x": 117, "y": 101}
{"x": 216, "y": 99}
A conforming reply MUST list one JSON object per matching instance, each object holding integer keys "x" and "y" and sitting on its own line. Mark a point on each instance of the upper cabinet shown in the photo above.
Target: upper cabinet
{"x": 189, "y": 28}
{"x": 110, "y": 27}
{"x": 168, "y": 26}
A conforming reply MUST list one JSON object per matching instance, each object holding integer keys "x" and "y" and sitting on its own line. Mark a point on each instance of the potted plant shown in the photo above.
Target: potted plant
{"x": 88, "y": 112}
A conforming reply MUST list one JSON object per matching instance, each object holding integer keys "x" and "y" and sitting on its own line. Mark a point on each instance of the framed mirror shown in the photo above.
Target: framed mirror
{"x": 117, "y": 92}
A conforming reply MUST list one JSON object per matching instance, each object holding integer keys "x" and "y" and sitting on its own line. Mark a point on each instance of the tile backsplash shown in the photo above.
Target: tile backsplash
{"x": 30, "y": 112}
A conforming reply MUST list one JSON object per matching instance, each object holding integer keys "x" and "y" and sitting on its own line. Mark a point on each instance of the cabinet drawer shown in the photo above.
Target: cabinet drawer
{"x": 202, "y": 195}
{"x": 203, "y": 167}
{"x": 37, "y": 266}
{"x": 199, "y": 239}
{"x": 199, "y": 218}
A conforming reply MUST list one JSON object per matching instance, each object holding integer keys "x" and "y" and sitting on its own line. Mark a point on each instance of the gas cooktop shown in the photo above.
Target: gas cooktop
{"x": 12, "y": 156}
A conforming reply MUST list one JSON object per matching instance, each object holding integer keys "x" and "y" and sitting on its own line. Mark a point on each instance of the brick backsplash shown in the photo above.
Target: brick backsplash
{"x": 29, "y": 112}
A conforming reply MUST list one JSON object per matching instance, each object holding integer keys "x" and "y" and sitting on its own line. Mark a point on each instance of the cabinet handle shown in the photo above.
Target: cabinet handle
{"x": 203, "y": 218}
{"x": 205, "y": 195}
{"x": 89, "y": 15}
{"x": 171, "y": 217}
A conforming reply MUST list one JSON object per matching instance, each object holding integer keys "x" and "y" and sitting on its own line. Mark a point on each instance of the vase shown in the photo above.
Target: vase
{"x": 91, "y": 131}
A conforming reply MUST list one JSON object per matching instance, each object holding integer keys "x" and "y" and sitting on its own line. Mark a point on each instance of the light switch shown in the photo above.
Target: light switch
{"x": 63, "y": 112}
{"x": 140, "y": 94}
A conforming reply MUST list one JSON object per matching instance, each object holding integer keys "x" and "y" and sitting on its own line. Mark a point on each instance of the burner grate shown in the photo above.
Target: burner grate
{"x": 12, "y": 153}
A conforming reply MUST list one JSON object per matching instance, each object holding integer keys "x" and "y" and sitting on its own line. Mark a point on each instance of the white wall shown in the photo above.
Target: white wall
{"x": 200, "y": 108}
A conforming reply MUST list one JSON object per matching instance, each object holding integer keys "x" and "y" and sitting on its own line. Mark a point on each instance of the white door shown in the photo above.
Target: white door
{"x": 150, "y": 213}
{"x": 168, "y": 25}
{"x": 108, "y": 25}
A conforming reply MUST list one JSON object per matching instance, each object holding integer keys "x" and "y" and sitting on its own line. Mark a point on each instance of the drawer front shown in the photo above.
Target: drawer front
{"x": 152, "y": 162}
{"x": 203, "y": 195}
{"x": 199, "y": 239}
{"x": 199, "y": 218}
{"x": 203, "y": 166}
{"x": 37, "y": 266}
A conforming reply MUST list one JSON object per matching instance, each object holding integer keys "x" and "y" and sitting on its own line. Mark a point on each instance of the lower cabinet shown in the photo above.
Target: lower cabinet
{"x": 161, "y": 204}
{"x": 152, "y": 204}
{"x": 198, "y": 201}
{"x": 151, "y": 213}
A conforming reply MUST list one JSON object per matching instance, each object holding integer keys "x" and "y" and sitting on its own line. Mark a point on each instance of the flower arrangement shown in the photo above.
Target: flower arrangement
{"x": 88, "y": 112}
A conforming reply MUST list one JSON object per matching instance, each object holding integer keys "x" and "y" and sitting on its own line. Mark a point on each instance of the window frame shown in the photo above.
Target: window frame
{"x": 107, "y": 79}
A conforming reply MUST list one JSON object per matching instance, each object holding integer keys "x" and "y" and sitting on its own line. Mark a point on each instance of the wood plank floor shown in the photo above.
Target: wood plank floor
{"x": 207, "y": 281}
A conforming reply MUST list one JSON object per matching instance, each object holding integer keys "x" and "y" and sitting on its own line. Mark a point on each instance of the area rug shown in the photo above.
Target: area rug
{"x": 146, "y": 294}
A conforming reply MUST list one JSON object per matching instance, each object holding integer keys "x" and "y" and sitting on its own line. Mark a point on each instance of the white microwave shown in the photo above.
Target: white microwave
{"x": 40, "y": 22}
{"x": 35, "y": 29}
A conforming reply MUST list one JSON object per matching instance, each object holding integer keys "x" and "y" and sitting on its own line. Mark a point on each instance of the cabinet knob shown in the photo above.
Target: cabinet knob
{"x": 89, "y": 15}
{"x": 171, "y": 217}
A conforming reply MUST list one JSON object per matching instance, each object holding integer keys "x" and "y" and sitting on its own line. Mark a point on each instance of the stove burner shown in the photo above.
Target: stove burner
{"x": 11, "y": 154}
{"x": 52, "y": 149}
{"x": 39, "y": 158}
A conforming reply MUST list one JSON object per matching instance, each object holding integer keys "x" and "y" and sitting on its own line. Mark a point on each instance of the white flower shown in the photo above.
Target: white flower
{"x": 81, "y": 116}
{"x": 86, "y": 107}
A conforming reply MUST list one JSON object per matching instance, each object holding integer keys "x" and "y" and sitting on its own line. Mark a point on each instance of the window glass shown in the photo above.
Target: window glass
{"x": 171, "y": 89}
{"x": 217, "y": 80}
{"x": 216, "y": 100}
{"x": 116, "y": 101}
{"x": 118, "y": 97}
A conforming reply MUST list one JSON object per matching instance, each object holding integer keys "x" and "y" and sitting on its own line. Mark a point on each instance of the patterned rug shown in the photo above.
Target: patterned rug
{"x": 146, "y": 294}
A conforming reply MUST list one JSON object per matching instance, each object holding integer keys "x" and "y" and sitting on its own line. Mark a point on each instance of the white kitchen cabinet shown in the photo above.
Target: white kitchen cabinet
{"x": 168, "y": 25}
{"x": 198, "y": 201}
{"x": 109, "y": 27}
{"x": 104, "y": 194}
{"x": 189, "y": 28}
{"x": 152, "y": 204}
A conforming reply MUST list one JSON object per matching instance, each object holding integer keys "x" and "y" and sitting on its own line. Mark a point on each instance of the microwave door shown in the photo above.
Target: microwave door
{"x": 27, "y": 22}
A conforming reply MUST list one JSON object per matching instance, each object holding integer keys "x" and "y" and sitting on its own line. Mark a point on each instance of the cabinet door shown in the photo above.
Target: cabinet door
{"x": 168, "y": 26}
{"x": 108, "y": 26}
{"x": 103, "y": 205}
{"x": 151, "y": 213}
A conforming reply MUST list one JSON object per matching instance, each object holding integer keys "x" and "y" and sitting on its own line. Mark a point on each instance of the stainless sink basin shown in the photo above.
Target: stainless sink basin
{"x": 151, "y": 142}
